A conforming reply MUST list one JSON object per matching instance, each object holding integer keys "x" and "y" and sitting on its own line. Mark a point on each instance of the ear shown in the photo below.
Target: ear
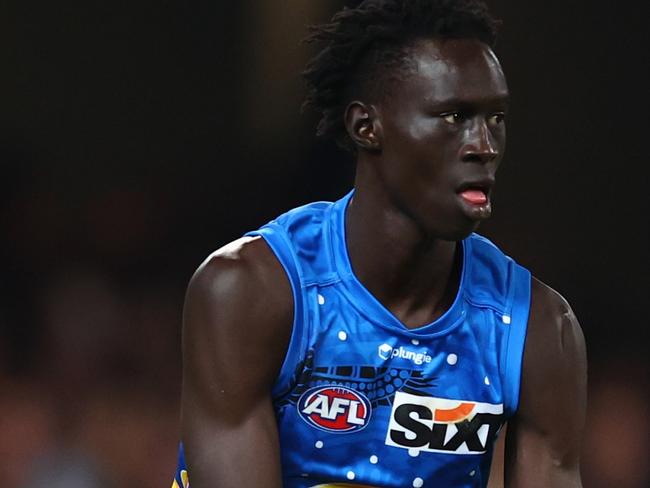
{"x": 363, "y": 126}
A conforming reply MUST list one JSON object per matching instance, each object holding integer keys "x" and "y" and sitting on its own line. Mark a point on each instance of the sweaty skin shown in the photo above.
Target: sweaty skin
{"x": 440, "y": 133}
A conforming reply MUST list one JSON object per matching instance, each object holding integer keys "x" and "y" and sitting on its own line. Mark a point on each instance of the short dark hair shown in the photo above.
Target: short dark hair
{"x": 366, "y": 46}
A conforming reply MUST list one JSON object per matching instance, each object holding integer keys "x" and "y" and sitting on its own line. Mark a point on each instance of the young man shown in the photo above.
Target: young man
{"x": 376, "y": 340}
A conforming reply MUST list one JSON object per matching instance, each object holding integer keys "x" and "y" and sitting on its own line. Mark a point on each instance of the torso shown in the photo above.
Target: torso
{"x": 362, "y": 399}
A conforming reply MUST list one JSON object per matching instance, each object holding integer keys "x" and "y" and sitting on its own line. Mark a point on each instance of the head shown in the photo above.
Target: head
{"x": 413, "y": 88}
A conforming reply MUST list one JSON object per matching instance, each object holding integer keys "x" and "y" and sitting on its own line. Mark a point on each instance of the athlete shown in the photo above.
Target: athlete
{"x": 377, "y": 340}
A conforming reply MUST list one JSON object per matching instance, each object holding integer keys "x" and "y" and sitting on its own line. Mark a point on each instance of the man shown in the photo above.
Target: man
{"x": 376, "y": 341}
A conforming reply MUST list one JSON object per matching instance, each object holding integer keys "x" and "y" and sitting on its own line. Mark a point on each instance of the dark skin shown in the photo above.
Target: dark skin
{"x": 439, "y": 132}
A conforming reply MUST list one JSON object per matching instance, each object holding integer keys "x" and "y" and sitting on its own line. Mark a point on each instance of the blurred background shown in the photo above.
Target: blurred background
{"x": 139, "y": 136}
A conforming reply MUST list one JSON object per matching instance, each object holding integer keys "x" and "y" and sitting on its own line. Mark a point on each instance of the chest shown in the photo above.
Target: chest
{"x": 431, "y": 392}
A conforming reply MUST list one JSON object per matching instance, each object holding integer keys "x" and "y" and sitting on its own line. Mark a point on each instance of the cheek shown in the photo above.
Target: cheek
{"x": 428, "y": 129}
{"x": 427, "y": 139}
{"x": 420, "y": 153}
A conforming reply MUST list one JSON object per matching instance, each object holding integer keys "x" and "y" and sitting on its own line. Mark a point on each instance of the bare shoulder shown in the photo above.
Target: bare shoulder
{"x": 544, "y": 437}
{"x": 237, "y": 322}
{"x": 553, "y": 329}
{"x": 238, "y": 314}
{"x": 242, "y": 266}
{"x": 243, "y": 275}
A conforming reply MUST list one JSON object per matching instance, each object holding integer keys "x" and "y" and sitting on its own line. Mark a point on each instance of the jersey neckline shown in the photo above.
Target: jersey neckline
{"x": 368, "y": 305}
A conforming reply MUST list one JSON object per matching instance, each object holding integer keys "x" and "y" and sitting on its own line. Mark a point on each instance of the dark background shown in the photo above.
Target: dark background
{"x": 138, "y": 136}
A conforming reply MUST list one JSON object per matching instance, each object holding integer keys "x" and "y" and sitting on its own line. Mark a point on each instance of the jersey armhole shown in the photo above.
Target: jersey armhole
{"x": 515, "y": 338}
{"x": 276, "y": 238}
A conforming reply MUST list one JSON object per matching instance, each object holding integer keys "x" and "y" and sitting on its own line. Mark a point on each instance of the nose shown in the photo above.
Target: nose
{"x": 478, "y": 143}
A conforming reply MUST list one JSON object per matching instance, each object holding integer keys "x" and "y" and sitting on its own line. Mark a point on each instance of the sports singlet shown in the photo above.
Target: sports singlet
{"x": 361, "y": 400}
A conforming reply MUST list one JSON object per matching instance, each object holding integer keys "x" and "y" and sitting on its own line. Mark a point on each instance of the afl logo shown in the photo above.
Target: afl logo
{"x": 334, "y": 409}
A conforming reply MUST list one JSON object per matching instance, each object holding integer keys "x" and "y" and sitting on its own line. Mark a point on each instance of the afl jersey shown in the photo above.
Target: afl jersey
{"x": 363, "y": 401}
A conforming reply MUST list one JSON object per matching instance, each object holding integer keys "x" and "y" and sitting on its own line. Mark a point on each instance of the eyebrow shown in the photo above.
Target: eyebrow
{"x": 458, "y": 102}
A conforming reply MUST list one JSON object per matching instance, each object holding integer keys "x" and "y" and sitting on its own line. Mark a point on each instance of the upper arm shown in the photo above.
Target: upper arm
{"x": 236, "y": 324}
{"x": 544, "y": 437}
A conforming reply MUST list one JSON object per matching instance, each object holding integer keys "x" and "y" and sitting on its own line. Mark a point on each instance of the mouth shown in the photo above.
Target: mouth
{"x": 476, "y": 192}
{"x": 475, "y": 195}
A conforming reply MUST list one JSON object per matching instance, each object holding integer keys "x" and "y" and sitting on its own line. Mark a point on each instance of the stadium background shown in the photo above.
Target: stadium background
{"x": 139, "y": 136}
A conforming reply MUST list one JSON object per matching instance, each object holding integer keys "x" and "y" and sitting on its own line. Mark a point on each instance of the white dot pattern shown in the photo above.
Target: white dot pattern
{"x": 342, "y": 335}
{"x": 418, "y": 483}
{"x": 452, "y": 359}
{"x": 415, "y": 342}
{"x": 351, "y": 475}
{"x": 472, "y": 472}
{"x": 506, "y": 319}
{"x": 487, "y": 381}
{"x": 319, "y": 444}
{"x": 321, "y": 300}
{"x": 374, "y": 459}
{"x": 414, "y": 452}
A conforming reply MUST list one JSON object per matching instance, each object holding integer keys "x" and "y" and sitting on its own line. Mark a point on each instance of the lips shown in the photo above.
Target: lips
{"x": 475, "y": 197}
{"x": 476, "y": 192}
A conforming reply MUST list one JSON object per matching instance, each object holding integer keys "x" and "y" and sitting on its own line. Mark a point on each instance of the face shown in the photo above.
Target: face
{"x": 441, "y": 136}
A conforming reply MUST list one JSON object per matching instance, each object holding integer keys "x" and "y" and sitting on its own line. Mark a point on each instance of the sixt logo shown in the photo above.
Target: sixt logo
{"x": 440, "y": 425}
{"x": 334, "y": 409}
{"x": 386, "y": 351}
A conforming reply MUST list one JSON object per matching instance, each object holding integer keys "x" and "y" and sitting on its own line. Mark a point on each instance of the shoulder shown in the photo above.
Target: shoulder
{"x": 544, "y": 437}
{"x": 239, "y": 299}
{"x": 242, "y": 267}
{"x": 237, "y": 322}
{"x": 554, "y": 371}
{"x": 553, "y": 326}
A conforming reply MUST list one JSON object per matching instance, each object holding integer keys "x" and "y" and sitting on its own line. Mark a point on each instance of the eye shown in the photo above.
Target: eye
{"x": 453, "y": 117}
{"x": 496, "y": 118}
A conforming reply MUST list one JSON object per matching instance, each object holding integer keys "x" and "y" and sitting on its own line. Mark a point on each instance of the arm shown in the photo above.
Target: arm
{"x": 236, "y": 326}
{"x": 544, "y": 437}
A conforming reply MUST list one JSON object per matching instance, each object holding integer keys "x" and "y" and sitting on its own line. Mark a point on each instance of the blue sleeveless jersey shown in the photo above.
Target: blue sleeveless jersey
{"x": 361, "y": 400}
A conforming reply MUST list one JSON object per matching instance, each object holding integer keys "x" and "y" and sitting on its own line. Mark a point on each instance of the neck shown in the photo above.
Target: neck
{"x": 413, "y": 274}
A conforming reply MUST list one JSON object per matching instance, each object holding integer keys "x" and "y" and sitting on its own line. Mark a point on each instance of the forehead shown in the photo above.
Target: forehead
{"x": 457, "y": 70}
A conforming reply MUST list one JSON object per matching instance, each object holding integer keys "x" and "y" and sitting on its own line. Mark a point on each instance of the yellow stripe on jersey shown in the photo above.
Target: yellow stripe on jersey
{"x": 185, "y": 479}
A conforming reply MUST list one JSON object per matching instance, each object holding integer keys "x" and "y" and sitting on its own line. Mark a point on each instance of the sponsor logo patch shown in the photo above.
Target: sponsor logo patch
{"x": 386, "y": 351}
{"x": 335, "y": 409}
{"x": 430, "y": 424}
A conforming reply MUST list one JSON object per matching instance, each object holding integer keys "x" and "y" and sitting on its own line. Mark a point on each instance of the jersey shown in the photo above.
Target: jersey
{"x": 362, "y": 400}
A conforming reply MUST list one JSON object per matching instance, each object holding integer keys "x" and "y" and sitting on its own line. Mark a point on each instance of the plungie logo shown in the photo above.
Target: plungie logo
{"x": 386, "y": 351}
{"x": 334, "y": 409}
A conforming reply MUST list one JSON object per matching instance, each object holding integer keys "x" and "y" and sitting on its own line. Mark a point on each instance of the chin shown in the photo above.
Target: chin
{"x": 462, "y": 225}
{"x": 451, "y": 235}
{"x": 444, "y": 222}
